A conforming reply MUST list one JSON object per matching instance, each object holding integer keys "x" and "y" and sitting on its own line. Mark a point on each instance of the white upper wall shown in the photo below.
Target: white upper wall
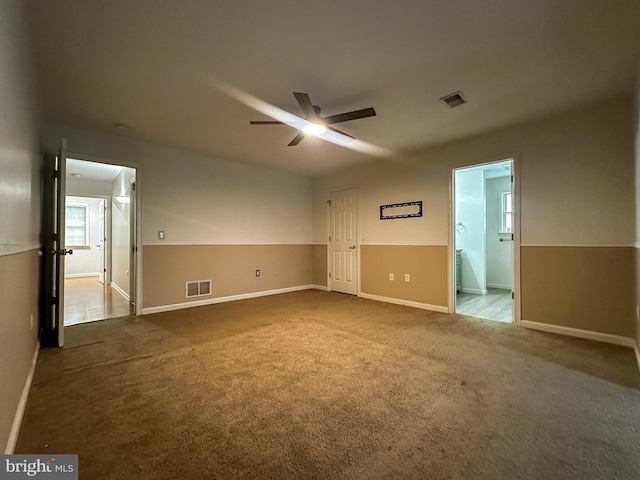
{"x": 197, "y": 199}
{"x": 575, "y": 172}
{"x": 19, "y": 157}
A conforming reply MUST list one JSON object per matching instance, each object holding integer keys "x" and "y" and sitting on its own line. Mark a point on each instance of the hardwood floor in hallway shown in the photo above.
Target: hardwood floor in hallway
{"x": 88, "y": 300}
{"x": 495, "y": 305}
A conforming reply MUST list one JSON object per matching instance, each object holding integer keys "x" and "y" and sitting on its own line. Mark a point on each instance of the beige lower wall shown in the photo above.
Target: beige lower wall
{"x": 18, "y": 336}
{"x": 637, "y": 301}
{"x": 588, "y": 288}
{"x": 167, "y": 268}
{"x": 426, "y": 265}
{"x": 319, "y": 265}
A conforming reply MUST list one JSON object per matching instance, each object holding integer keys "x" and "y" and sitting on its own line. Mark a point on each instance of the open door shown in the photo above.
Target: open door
{"x": 53, "y": 226}
{"x": 102, "y": 240}
{"x": 133, "y": 251}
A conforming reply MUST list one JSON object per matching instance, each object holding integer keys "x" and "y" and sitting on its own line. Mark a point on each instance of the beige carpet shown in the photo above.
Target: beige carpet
{"x": 326, "y": 386}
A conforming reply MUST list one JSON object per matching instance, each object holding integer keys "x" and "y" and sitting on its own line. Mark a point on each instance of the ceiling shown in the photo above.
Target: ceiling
{"x": 157, "y": 66}
{"x": 101, "y": 172}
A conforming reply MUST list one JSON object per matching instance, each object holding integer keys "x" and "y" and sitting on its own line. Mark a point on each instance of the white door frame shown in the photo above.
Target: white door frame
{"x": 516, "y": 313}
{"x": 138, "y": 226}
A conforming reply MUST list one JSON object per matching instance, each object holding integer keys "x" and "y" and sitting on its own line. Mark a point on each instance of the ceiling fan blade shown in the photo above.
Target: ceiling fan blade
{"x": 305, "y": 104}
{"x": 296, "y": 140}
{"x": 344, "y": 117}
{"x": 265, "y": 122}
{"x": 341, "y": 133}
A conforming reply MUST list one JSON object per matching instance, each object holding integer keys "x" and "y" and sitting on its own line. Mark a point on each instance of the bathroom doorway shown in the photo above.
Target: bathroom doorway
{"x": 484, "y": 219}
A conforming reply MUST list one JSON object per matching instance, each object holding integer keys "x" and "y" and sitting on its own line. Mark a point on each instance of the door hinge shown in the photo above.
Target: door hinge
{"x": 512, "y": 237}
{"x": 55, "y": 237}
{"x": 54, "y": 300}
{"x": 329, "y": 274}
{"x": 513, "y": 295}
{"x": 511, "y": 178}
{"x": 329, "y": 237}
{"x": 329, "y": 202}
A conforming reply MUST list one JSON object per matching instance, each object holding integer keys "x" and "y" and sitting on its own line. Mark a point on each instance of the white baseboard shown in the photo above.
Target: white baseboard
{"x": 501, "y": 287}
{"x": 576, "y": 332}
{"x": 320, "y": 287}
{"x": 120, "y": 291}
{"x": 406, "y": 303}
{"x": 81, "y": 275}
{"x": 22, "y": 405}
{"x": 230, "y": 298}
{"x": 475, "y": 291}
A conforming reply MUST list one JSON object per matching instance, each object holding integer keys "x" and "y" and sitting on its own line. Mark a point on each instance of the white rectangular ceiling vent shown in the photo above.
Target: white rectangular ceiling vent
{"x": 198, "y": 288}
{"x": 454, "y": 99}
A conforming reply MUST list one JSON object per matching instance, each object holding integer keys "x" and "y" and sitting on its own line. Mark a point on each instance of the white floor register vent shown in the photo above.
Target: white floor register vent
{"x": 199, "y": 288}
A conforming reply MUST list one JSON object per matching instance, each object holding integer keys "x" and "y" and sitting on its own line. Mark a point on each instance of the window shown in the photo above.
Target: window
{"x": 506, "y": 213}
{"x": 77, "y": 225}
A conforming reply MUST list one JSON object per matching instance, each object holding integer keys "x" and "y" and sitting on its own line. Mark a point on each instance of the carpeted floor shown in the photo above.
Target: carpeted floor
{"x": 316, "y": 385}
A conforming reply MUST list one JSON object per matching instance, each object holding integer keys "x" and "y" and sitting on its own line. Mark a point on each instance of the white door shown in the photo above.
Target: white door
{"x": 54, "y": 251}
{"x": 133, "y": 248}
{"x": 101, "y": 240}
{"x": 343, "y": 242}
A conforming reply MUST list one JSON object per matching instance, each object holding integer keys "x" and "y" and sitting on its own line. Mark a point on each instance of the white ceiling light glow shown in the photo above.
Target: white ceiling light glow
{"x": 315, "y": 129}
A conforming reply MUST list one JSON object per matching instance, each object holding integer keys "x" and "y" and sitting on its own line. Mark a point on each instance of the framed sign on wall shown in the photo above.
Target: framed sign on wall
{"x": 401, "y": 210}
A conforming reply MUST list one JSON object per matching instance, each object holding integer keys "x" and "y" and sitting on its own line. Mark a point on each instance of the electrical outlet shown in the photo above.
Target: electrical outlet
{"x": 257, "y": 273}
{"x": 161, "y": 235}
{"x": 391, "y": 277}
{"x": 407, "y": 278}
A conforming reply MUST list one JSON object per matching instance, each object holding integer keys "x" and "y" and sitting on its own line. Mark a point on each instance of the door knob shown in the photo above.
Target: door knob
{"x": 352, "y": 247}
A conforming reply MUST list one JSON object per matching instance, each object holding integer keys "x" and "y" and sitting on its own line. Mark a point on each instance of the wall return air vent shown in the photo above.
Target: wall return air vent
{"x": 198, "y": 288}
{"x": 454, "y": 99}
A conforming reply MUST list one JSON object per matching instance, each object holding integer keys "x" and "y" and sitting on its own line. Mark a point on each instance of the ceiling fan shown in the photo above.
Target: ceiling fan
{"x": 317, "y": 123}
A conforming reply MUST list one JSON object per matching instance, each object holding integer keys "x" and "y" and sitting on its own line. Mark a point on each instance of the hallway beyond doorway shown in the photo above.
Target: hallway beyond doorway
{"x": 87, "y": 300}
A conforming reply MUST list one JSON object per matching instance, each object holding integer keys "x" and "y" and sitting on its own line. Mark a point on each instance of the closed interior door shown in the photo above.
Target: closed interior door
{"x": 342, "y": 242}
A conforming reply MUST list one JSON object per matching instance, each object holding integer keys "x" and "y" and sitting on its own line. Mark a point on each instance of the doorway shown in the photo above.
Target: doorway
{"x": 100, "y": 228}
{"x": 483, "y": 219}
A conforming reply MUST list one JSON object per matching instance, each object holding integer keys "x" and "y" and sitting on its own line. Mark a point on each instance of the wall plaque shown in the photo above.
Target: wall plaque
{"x": 401, "y": 210}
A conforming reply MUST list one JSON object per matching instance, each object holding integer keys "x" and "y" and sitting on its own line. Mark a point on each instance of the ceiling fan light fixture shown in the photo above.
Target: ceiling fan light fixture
{"x": 315, "y": 129}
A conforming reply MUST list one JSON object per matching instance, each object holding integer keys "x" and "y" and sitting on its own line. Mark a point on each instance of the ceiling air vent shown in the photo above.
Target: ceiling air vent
{"x": 454, "y": 99}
